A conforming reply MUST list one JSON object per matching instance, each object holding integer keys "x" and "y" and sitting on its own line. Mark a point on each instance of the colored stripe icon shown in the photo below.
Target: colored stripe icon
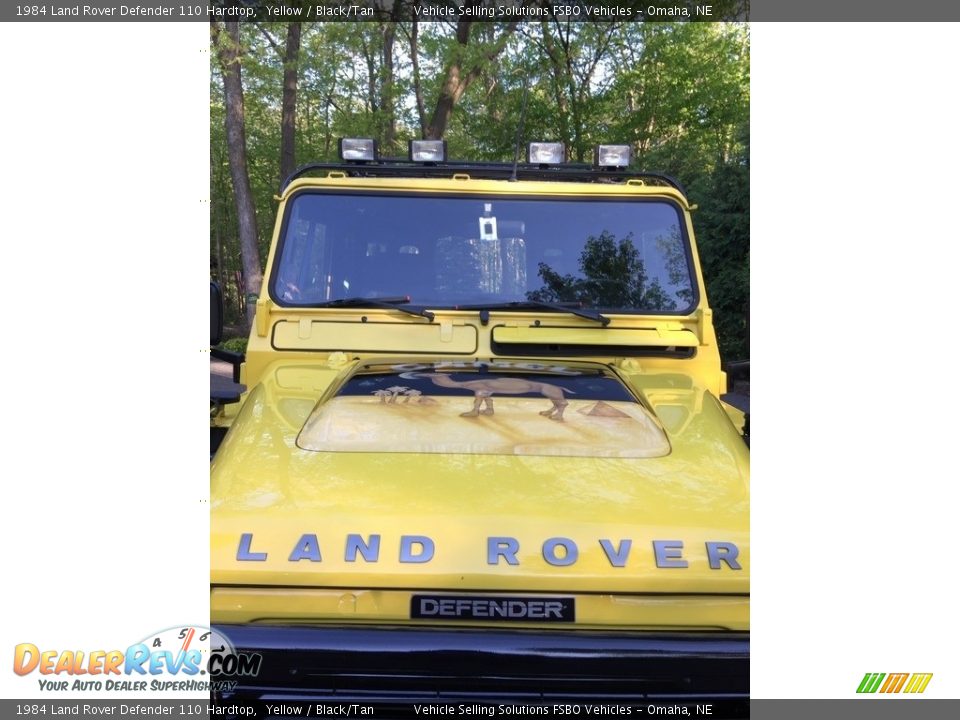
{"x": 894, "y": 682}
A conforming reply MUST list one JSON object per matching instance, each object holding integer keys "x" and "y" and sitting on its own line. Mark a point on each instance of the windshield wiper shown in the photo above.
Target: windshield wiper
{"x": 389, "y": 303}
{"x": 574, "y": 308}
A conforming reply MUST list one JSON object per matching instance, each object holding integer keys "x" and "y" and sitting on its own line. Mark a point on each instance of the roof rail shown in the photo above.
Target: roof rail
{"x": 484, "y": 171}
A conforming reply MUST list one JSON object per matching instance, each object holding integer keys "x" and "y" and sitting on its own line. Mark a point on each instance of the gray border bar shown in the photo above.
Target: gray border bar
{"x": 888, "y": 708}
{"x": 491, "y": 10}
{"x": 372, "y": 10}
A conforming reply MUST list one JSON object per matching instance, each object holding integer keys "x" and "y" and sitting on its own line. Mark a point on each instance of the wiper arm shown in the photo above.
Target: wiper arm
{"x": 389, "y": 303}
{"x": 574, "y": 308}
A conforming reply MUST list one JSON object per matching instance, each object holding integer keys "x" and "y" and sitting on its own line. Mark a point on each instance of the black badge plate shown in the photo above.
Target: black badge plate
{"x": 493, "y": 608}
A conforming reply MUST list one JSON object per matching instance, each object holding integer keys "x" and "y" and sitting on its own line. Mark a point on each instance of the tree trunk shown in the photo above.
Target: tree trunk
{"x": 288, "y": 110}
{"x": 453, "y": 86}
{"x": 227, "y": 42}
{"x": 458, "y": 78}
{"x": 417, "y": 87}
{"x": 387, "y": 104}
{"x": 216, "y": 209}
{"x": 371, "y": 62}
{"x": 557, "y": 67}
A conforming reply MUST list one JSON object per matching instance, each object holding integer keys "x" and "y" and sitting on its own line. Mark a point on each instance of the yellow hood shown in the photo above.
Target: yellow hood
{"x": 671, "y": 521}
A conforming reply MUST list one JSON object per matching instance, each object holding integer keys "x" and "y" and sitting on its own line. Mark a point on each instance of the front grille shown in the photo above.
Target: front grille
{"x": 404, "y": 665}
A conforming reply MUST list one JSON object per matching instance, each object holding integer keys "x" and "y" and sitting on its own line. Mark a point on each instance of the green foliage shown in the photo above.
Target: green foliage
{"x": 723, "y": 234}
{"x": 237, "y": 345}
{"x": 605, "y": 261}
{"x": 678, "y": 93}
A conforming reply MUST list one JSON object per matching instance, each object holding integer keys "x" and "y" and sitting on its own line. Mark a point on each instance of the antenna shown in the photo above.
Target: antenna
{"x": 523, "y": 117}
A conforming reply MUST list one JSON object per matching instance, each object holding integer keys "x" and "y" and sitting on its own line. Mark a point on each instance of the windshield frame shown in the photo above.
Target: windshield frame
{"x": 481, "y": 195}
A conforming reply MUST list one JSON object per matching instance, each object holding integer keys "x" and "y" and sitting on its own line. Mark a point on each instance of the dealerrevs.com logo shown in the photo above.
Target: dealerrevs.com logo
{"x": 894, "y": 682}
{"x": 182, "y": 659}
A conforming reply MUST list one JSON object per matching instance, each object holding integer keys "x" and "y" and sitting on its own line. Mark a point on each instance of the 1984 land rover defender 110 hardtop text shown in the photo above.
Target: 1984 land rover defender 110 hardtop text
{"x": 482, "y": 452}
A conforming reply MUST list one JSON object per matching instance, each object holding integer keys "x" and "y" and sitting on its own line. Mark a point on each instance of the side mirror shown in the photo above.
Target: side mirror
{"x": 216, "y": 314}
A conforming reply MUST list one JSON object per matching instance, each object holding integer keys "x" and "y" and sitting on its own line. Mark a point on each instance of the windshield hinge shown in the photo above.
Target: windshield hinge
{"x": 668, "y": 327}
{"x": 704, "y": 318}
{"x": 446, "y": 331}
{"x": 264, "y": 306}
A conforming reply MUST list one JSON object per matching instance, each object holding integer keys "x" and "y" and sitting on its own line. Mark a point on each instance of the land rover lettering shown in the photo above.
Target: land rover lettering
{"x": 505, "y": 551}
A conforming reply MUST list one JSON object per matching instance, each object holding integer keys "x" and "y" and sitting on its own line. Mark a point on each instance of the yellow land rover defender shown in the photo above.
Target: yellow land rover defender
{"x": 482, "y": 453}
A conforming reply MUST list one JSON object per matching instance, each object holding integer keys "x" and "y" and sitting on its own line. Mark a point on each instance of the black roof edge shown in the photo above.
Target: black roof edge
{"x": 484, "y": 171}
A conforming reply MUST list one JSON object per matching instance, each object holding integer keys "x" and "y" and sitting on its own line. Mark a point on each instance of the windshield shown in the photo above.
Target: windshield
{"x": 445, "y": 251}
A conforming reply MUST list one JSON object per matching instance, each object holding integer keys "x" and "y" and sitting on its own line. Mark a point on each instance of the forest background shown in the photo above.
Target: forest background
{"x": 282, "y": 93}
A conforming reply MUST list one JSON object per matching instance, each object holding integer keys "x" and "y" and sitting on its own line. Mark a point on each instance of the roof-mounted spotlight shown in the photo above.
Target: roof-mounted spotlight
{"x": 358, "y": 149}
{"x": 611, "y": 156}
{"x": 427, "y": 151}
{"x": 546, "y": 153}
